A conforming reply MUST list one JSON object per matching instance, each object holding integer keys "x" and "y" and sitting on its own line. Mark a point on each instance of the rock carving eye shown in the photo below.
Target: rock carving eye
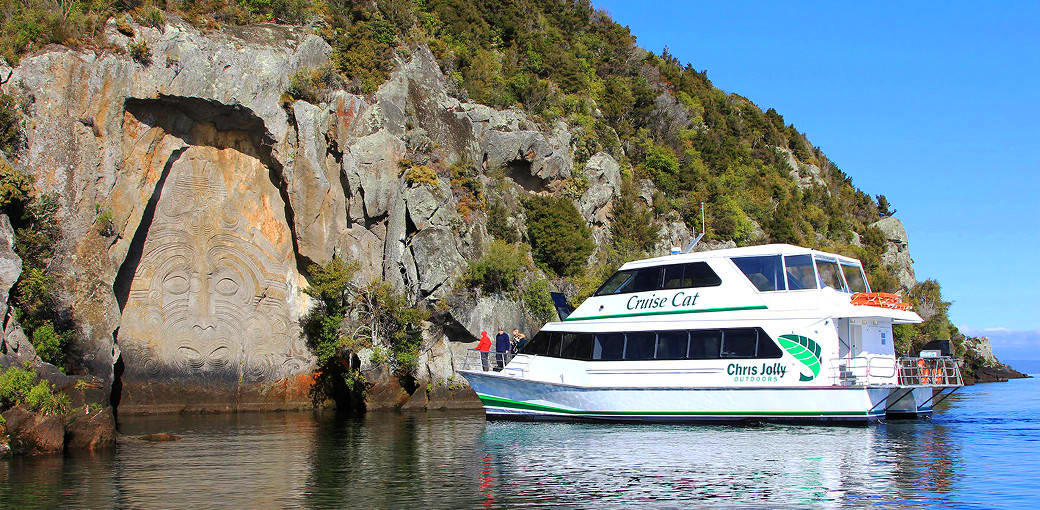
{"x": 227, "y": 286}
{"x": 176, "y": 284}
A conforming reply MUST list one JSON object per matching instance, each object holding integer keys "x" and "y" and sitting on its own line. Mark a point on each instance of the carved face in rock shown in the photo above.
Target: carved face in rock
{"x": 210, "y": 292}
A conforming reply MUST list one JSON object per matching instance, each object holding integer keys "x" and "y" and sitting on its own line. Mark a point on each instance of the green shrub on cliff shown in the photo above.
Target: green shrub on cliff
{"x": 498, "y": 270}
{"x": 15, "y": 187}
{"x": 19, "y": 386}
{"x": 560, "y": 240}
{"x": 632, "y": 228}
{"x": 927, "y": 300}
{"x": 538, "y": 302}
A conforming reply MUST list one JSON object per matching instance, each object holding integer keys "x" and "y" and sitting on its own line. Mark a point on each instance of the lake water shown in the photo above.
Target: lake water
{"x": 982, "y": 449}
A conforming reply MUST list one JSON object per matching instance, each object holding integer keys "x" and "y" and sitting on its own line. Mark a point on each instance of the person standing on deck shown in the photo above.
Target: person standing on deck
{"x": 519, "y": 340}
{"x": 484, "y": 346}
{"x": 502, "y": 346}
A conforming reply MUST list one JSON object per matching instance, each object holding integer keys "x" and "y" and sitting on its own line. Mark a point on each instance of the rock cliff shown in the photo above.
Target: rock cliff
{"x": 224, "y": 191}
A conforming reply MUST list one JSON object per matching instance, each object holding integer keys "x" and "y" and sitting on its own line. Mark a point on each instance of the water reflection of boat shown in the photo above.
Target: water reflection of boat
{"x": 774, "y": 332}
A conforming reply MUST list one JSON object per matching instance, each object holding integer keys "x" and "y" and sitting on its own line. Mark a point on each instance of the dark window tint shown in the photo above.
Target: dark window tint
{"x": 767, "y": 348}
{"x": 554, "y": 345}
{"x": 705, "y": 344}
{"x": 672, "y": 344}
{"x": 538, "y": 344}
{"x": 615, "y": 283}
{"x": 800, "y": 272}
{"x": 766, "y": 273}
{"x": 608, "y": 347}
{"x": 645, "y": 280}
{"x": 673, "y": 277}
{"x": 639, "y": 346}
{"x": 577, "y": 346}
{"x": 739, "y": 343}
{"x": 700, "y": 274}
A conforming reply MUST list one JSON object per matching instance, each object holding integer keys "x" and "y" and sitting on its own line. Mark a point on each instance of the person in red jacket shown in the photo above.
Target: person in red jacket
{"x": 484, "y": 346}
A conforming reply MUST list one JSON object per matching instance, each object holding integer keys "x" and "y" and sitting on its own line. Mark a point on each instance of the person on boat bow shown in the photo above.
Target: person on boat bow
{"x": 484, "y": 346}
{"x": 502, "y": 347}
{"x": 519, "y": 340}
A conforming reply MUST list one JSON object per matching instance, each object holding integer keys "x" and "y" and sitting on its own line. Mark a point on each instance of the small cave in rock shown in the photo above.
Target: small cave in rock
{"x": 519, "y": 170}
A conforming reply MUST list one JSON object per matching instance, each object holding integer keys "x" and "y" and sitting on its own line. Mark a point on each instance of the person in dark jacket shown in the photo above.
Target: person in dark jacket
{"x": 502, "y": 346}
{"x": 519, "y": 341}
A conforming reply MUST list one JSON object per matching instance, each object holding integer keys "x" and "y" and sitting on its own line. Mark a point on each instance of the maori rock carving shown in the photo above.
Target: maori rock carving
{"x": 213, "y": 293}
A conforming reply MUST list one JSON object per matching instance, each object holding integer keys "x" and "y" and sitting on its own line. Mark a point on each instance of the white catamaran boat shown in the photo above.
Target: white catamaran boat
{"x": 774, "y": 332}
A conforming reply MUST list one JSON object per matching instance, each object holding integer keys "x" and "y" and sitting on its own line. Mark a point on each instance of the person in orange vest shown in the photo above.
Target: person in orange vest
{"x": 484, "y": 346}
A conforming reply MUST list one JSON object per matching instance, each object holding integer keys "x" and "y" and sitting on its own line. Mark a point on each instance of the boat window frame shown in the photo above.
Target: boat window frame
{"x": 862, "y": 274}
{"x": 819, "y": 276}
{"x": 655, "y": 337}
{"x": 783, "y": 270}
{"x": 661, "y": 269}
{"x": 812, "y": 262}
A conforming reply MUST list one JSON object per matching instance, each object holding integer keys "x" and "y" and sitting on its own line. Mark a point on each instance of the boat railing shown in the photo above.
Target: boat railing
{"x": 939, "y": 372}
{"x": 474, "y": 360}
{"x": 862, "y": 370}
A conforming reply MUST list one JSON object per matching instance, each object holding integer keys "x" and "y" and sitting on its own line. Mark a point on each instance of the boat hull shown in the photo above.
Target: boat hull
{"x": 506, "y": 397}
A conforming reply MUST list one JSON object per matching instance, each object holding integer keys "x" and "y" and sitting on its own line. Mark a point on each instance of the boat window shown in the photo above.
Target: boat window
{"x": 672, "y": 344}
{"x": 577, "y": 346}
{"x": 673, "y": 277}
{"x": 608, "y": 347}
{"x": 705, "y": 344}
{"x": 854, "y": 277}
{"x": 640, "y": 346}
{"x": 538, "y": 344}
{"x": 767, "y": 347}
{"x": 646, "y": 279}
{"x": 766, "y": 272}
{"x": 739, "y": 343}
{"x": 830, "y": 276}
{"x": 554, "y": 345}
{"x": 700, "y": 274}
{"x": 615, "y": 283}
{"x": 800, "y": 272}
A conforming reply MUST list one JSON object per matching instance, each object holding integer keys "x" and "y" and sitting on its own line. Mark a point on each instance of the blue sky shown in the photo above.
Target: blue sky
{"x": 935, "y": 105}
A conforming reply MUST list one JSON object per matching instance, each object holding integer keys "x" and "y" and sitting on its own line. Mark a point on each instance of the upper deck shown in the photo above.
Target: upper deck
{"x": 776, "y": 281}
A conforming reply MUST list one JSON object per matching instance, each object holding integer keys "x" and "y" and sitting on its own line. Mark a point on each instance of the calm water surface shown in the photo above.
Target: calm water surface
{"x": 982, "y": 449}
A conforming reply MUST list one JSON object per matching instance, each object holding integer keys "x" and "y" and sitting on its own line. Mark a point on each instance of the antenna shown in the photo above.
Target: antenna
{"x": 697, "y": 238}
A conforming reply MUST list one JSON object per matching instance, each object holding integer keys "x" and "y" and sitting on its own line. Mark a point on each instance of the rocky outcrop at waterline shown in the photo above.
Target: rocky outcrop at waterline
{"x": 980, "y": 365}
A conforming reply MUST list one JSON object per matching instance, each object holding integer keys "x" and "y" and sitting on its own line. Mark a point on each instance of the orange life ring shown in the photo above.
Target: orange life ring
{"x": 880, "y": 300}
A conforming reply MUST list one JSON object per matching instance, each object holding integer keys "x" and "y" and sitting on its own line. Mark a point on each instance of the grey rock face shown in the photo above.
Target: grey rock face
{"x": 897, "y": 253}
{"x": 10, "y": 262}
{"x": 604, "y": 176}
{"x": 980, "y": 348}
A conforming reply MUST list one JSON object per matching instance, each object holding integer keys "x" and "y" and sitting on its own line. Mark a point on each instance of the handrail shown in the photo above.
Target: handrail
{"x": 939, "y": 372}
{"x": 474, "y": 360}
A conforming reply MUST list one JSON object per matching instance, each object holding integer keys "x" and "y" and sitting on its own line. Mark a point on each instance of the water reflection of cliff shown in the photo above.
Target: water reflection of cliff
{"x": 457, "y": 460}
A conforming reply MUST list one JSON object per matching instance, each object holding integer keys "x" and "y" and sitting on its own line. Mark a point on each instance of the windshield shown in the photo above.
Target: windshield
{"x": 800, "y": 272}
{"x": 766, "y": 273}
{"x": 615, "y": 283}
{"x": 830, "y": 275}
{"x": 854, "y": 277}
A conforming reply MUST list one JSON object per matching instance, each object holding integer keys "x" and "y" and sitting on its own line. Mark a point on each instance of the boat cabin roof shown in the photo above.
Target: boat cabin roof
{"x": 747, "y": 251}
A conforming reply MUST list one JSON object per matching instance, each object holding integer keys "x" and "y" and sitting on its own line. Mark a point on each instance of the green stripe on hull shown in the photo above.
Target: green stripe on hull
{"x": 488, "y": 400}
{"x": 667, "y": 312}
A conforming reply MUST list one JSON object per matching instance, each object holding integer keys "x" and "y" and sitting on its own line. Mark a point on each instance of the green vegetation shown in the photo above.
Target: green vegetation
{"x": 538, "y": 302}
{"x": 105, "y": 221}
{"x": 632, "y": 226}
{"x": 347, "y": 318}
{"x": 140, "y": 51}
{"x": 926, "y": 297}
{"x": 421, "y": 175}
{"x": 15, "y": 187}
{"x": 499, "y": 269}
{"x": 560, "y": 240}
{"x": 498, "y": 223}
{"x": 313, "y": 85}
{"x": 19, "y": 386}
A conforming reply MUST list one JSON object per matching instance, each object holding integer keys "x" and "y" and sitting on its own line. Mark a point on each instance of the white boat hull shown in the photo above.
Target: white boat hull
{"x": 506, "y": 397}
